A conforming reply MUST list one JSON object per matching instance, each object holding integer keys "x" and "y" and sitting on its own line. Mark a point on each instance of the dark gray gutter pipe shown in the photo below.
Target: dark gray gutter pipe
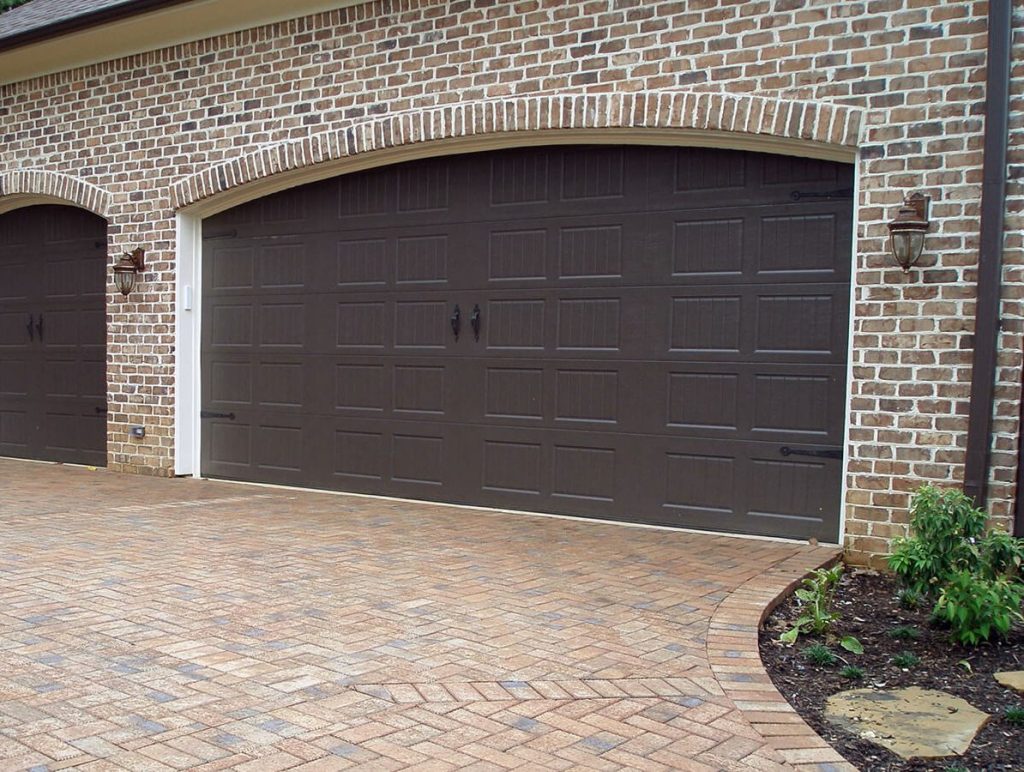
{"x": 990, "y": 252}
{"x": 1018, "y": 505}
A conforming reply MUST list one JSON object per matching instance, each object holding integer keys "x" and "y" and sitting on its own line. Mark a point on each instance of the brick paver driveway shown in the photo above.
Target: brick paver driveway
{"x": 155, "y": 624}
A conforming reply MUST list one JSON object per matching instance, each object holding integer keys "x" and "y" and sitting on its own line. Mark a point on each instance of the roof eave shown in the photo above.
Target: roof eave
{"x": 93, "y": 19}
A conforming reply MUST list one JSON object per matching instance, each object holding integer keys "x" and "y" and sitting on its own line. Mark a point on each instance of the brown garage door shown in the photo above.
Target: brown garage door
{"x": 648, "y": 334}
{"x": 53, "y": 335}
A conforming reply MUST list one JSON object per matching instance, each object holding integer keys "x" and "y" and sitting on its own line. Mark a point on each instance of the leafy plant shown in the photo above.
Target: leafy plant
{"x": 852, "y": 672}
{"x": 820, "y": 654}
{"x": 851, "y": 644}
{"x": 905, "y": 633}
{"x": 6, "y": 5}
{"x": 909, "y": 599}
{"x": 1014, "y": 715}
{"x": 816, "y": 596}
{"x": 906, "y": 660}
{"x": 976, "y": 607}
{"x": 945, "y": 525}
{"x": 973, "y": 578}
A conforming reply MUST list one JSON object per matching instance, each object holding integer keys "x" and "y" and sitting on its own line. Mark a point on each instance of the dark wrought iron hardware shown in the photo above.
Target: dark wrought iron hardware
{"x": 456, "y": 321}
{"x": 215, "y": 414}
{"x": 798, "y": 195}
{"x": 824, "y": 453}
{"x": 474, "y": 321}
{"x": 101, "y": 411}
{"x": 39, "y": 326}
{"x": 30, "y": 327}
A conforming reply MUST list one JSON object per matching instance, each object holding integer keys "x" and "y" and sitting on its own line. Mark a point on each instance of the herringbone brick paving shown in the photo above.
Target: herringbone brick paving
{"x": 151, "y": 624}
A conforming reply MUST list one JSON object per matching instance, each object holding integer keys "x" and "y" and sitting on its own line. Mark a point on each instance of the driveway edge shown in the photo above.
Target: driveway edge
{"x": 736, "y": 662}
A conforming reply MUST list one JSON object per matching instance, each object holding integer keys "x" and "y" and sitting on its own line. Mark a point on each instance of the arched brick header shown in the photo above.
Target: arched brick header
{"x": 823, "y": 124}
{"x": 54, "y": 185}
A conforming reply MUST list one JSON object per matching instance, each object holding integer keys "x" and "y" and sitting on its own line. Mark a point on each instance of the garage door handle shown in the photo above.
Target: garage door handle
{"x": 474, "y": 322}
{"x": 39, "y": 326}
{"x": 30, "y": 326}
{"x": 824, "y": 453}
{"x": 456, "y": 321}
{"x": 213, "y": 414}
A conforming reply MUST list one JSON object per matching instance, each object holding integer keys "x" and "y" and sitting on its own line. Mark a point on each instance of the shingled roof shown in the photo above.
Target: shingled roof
{"x": 39, "y": 19}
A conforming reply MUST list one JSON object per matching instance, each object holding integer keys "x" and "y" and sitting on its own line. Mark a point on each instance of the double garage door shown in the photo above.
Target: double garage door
{"x": 655, "y": 335}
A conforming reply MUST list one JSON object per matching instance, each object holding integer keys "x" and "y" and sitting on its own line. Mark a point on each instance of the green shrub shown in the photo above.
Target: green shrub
{"x": 972, "y": 577}
{"x": 1014, "y": 715}
{"x": 905, "y": 633}
{"x": 852, "y": 672}
{"x": 975, "y": 607}
{"x": 944, "y": 524}
{"x": 906, "y": 660}
{"x": 820, "y": 654}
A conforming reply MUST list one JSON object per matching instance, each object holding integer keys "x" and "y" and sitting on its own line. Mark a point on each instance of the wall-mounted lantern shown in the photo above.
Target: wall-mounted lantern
{"x": 127, "y": 269}
{"x": 906, "y": 232}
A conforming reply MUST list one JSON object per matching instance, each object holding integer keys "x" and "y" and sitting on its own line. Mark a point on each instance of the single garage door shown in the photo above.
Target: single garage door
{"x": 53, "y": 389}
{"x": 655, "y": 335}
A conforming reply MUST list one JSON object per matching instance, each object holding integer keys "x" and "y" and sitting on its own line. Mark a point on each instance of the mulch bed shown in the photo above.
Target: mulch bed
{"x": 869, "y": 607}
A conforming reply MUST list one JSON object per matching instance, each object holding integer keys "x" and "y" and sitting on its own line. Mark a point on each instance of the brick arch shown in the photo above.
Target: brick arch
{"x": 736, "y": 120}
{"x": 23, "y": 187}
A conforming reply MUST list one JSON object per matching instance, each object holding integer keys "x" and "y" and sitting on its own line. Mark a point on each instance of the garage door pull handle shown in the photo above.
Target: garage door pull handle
{"x": 214, "y": 414}
{"x": 474, "y": 322}
{"x": 826, "y": 453}
{"x": 456, "y": 321}
{"x": 29, "y": 327}
{"x": 39, "y": 326}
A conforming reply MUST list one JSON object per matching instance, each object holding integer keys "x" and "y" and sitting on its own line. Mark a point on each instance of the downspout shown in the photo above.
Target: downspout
{"x": 990, "y": 252}
{"x": 1018, "y": 504}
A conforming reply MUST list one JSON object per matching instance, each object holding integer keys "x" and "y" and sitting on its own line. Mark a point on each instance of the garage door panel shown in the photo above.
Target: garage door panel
{"x": 793, "y": 497}
{"x": 15, "y": 277}
{"x": 749, "y": 487}
{"x": 800, "y": 324}
{"x": 414, "y": 459}
{"x": 410, "y": 389}
{"x": 747, "y": 322}
{"x": 686, "y": 178}
{"x": 229, "y": 448}
{"x": 16, "y": 429}
{"x": 796, "y": 403}
{"x": 785, "y": 170}
{"x": 662, "y": 336}
{"x": 549, "y": 470}
{"x": 780, "y": 243}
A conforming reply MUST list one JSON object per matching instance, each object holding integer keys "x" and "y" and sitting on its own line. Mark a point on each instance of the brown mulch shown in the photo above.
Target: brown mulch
{"x": 870, "y": 609}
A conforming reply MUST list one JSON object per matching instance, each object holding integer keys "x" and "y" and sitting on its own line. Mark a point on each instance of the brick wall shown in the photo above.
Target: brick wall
{"x": 136, "y": 126}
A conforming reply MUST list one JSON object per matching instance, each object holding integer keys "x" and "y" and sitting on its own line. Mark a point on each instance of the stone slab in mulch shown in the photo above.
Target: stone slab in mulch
{"x": 913, "y": 723}
{"x": 1012, "y": 678}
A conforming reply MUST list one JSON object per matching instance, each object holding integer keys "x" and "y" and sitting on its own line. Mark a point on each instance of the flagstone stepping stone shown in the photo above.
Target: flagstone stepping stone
{"x": 912, "y": 722}
{"x": 1012, "y": 678}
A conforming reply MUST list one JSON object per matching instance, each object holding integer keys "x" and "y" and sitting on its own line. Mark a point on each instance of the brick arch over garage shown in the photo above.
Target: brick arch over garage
{"x": 743, "y": 122}
{"x": 26, "y": 187}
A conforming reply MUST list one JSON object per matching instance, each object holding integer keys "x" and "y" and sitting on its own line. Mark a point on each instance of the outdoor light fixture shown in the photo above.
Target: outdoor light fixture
{"x": 127, "y": 269}
{"x": 906, "y": 232}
